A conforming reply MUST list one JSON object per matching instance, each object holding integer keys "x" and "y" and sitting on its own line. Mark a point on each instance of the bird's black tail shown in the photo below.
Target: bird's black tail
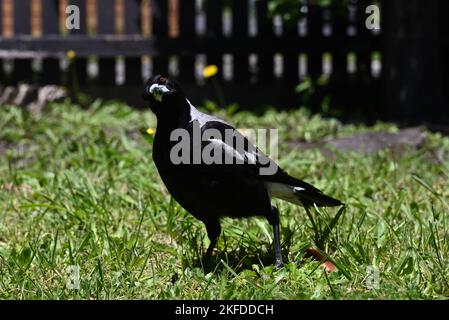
{"x": 310, "y": 197}
{"x": 301, "y": 195}
{"x": 286, "y": 187}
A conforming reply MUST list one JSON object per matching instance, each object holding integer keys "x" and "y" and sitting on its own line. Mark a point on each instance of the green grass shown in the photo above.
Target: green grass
{"x": 78, "y": 187}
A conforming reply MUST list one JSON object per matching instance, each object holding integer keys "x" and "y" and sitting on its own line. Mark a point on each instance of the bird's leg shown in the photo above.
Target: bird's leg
{"x": 277, "y": 247}
{"x": 273, "y": 219}
{"x": 213, "y": 232}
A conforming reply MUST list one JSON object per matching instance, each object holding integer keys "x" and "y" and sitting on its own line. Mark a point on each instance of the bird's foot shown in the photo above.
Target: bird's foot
{"x": 208, "y": 257}
{"x": 278, "y": 264}
{"x": 207, "y": 264}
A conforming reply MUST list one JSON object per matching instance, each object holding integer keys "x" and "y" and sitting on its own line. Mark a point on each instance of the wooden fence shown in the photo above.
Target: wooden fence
{"x": 260, "y": 58}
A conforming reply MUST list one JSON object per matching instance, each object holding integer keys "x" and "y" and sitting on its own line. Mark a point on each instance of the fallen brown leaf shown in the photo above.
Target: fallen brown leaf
{"x": 318, "y": 256}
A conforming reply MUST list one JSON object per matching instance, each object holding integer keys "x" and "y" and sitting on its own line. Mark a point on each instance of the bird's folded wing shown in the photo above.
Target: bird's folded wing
{"x": 250, "y": 159}
{"x": 253, "y": 158}
{"x": 234, "y": 147}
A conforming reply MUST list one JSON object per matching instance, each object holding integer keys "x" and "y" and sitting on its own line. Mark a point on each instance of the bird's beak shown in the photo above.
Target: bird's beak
{"x": 158, "y": 91}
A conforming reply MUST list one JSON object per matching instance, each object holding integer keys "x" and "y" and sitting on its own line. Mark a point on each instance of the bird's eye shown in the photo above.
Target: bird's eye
{"x": 163, "y": 80}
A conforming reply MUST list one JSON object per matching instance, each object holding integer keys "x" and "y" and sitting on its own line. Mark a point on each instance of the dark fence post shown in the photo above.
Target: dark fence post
{"x": 78, "y": 69}
{"x": 106, "y": 25}
{"x": 1, "y": 18}
{"x": 214, "y": 13}
{"x": 22, "y": 25}
{"x": 50, "y": 73}
{"x": 187, "y": 35}
{"x": 160, "y": 31}
{"x": 366, "y": 85}
{"x": 338, "y": 84}
{"x": 81, "y": 4}
{"x": 314, "y": 36}
{"x": 1, "y": 35}
{"x": 444, "y": 48}
{"x": 240, "y": 31}
{"x": 315, "y": 53}
{"x": 414, "y": 91}
{"x": 290, "y": 66}
{"x": 22, "y": 17}
{"x": 133, "y": 25}
{"x": 264, "y": 33}
{"x": 363, "y": 51}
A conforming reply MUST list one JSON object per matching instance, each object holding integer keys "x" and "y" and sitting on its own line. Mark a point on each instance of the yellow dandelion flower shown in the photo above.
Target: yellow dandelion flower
{"x": 151, "y": 131}
{"x": 210, "y": 71}
{"x": 71, "y": 54}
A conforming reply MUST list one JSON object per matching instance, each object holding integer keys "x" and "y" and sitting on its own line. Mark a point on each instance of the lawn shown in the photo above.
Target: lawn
{"x": 79, "y": 188}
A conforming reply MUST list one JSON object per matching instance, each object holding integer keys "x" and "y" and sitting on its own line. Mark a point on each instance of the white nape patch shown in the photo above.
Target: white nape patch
{"x": 158, "y": 90}
{"x": 284, "y": 191}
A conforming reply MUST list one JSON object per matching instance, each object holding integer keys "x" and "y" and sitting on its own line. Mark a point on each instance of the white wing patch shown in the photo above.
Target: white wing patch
{"x": 228, "y": 151}
{"x": 234, "y": 155}
{"x": 202, "y": 118}
{"x": 251, "y": 155}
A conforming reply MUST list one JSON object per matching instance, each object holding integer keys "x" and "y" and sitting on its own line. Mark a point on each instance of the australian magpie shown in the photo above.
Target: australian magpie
{"x": 209, "y": 189}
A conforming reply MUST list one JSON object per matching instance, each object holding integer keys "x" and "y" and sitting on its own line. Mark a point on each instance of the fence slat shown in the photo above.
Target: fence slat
{"x": 133, "y": 23}
{"x": 22, "y": 25}
{"x": 1, "y": 18}
{"x": 50, "y": 16}
{"x": 214, "y": 18}
{"x": 78, "y": 68}
{"x": 22, "y": 17}
{"x": 264, "y": 31}
{"x": 314, "y": 32}
{"x": 339, "y": 21}
{"x": 186, "y": 33}
{"x": 291, "y": 59}
{"x": 363, "y": 52}
{"x": 240, "y": 30}
{"x": 160, "y": 31}
{"x": 338, "y": 84}
{"x": 314, "y": 53}
{"x": 106, "y": 25}
{"x": 82, "y": 5}
{"x": 2, "y": 73}
{"x": 51, "y": 73}
{"x": 133, "y": 26}
{"x": 444, "y": 34}
{"x": 214, "y": 30}
{"x": 105, "y": 16}
{"x": 365, "y": 84}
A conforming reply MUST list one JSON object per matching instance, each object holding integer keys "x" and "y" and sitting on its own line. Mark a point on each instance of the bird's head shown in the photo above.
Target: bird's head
{"x": 161, "y": 92}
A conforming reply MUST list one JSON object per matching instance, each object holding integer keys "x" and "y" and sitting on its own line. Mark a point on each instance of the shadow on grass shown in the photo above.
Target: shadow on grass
{"x": 244, "y": 258}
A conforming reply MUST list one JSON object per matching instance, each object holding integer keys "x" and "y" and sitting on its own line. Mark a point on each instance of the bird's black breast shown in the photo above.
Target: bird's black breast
{"x": 214, "y": 190}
